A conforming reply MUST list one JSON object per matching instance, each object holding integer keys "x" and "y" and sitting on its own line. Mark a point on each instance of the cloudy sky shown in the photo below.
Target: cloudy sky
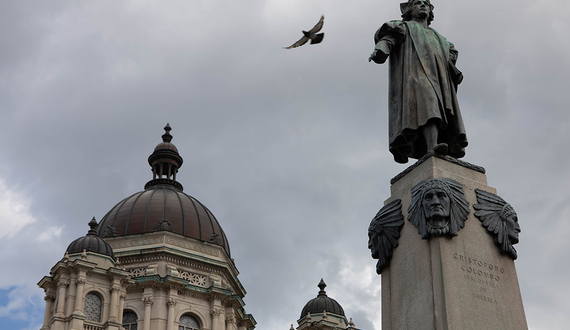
{"x": 288, "y": 148}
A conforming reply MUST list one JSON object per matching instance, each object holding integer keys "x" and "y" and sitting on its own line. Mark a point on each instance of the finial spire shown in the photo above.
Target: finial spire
{"x": 322, "y": 285}
{"x": 93, "y": 225}
{"x": 166, "y": 137}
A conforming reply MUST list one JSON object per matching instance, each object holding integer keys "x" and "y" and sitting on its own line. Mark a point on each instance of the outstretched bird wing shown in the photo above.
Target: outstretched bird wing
{"x": 318, "y": 26}
{"x": 312, "y": 31}
{"x": 299, "y": 42}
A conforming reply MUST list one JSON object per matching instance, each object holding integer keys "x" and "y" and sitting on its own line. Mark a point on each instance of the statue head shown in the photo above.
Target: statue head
{"x": 384, "y": 232}
{"x": 438, "y": 207}
{"x": 500, "y": 219}
{"x": 509, "y": 217}
{"x": 407, "y": 9}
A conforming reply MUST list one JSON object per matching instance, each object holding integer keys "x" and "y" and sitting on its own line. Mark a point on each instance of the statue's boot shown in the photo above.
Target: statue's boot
{"x": 441, "y": 149}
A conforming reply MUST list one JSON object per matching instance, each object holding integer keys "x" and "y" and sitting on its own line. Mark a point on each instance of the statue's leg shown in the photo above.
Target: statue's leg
{"x": 430, "y": 132}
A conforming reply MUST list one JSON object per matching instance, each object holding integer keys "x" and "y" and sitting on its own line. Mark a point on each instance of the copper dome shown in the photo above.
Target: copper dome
{"x": 91, "y": 243}
{"x": 163, "y": 205}
{"x": 322, "y": 303}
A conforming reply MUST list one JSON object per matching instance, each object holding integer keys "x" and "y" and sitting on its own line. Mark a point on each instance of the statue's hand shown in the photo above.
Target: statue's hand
{"x": 373, "y": 56}
{"x": 378, "y": 56}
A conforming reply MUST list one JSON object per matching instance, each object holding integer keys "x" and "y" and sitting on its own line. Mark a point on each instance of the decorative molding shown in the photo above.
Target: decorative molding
{"x": 171, "y": 302}
{"x": 230, "y": 319}
{"x": 135, "y": 242}
{"x": 179, "y": 242}
{"x": 135, "y": 289}
{"x": 148, "y": 301}
{"x": 193, "y": 294}
{"x": 137, "y": 272}
{"x": 216, "y": 312}
{"x": 194, "y": 279}
{"x": 62, "y": 283}
{"x": 192, "y": 246}
{"x": 447, "y": 158}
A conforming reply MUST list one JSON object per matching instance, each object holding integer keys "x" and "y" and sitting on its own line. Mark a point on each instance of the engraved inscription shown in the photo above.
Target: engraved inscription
{"x": 484, "y": 298}
{"x": 486, "y": 276}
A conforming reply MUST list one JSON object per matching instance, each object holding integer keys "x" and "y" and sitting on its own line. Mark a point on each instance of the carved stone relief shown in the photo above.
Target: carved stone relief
{"x": 439, "y": 207}
{"x": 384, "y": 232}
{"x": 500, "y": 219}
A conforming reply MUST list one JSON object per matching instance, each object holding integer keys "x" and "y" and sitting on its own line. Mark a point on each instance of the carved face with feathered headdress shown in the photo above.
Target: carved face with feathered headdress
{"x": 500, "y": 219}
{"x": 438, "y": 208}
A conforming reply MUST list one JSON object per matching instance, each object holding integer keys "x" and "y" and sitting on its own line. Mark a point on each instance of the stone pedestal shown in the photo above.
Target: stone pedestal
{"x": 446, "y": 283}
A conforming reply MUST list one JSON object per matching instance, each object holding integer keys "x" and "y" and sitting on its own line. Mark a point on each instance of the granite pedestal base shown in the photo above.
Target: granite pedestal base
{"x": 444, "y": 283}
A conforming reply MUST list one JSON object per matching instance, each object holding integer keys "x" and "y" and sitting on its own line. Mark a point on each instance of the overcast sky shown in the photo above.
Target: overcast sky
{"x": 288, "y": 148}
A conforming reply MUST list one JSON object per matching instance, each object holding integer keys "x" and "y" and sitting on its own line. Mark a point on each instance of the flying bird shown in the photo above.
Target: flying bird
{"x": 311, "y": 35}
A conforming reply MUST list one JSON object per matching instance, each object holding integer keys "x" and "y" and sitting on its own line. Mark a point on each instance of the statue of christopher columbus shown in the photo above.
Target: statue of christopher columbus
{"x": 424, "y": 114}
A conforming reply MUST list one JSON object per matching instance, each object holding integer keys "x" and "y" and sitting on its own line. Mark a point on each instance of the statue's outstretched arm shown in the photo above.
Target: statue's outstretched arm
{"x": 387, "y": 38}
{"x": 382, "y": 50}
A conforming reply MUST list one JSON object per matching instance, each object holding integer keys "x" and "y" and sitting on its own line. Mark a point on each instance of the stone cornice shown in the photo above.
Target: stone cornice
{"x": 188, "y": 265}
{"x": 447, "y": 158}
{"x": 121, "y": 243}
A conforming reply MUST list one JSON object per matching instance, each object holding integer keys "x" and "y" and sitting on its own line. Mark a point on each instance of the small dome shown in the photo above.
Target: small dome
{"x": 166, "y": 146}
{"x": 91, "y": 243}
{"x": 322, "y": 303}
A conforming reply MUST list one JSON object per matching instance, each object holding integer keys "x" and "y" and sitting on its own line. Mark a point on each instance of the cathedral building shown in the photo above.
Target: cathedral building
{"x": 159, "y": 260}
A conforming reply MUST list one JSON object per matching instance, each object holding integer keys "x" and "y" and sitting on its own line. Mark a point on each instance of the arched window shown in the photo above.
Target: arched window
{"x": 93, "y": 307}
{"x": 188, "y": 322}
{"x": 129, "y": 320}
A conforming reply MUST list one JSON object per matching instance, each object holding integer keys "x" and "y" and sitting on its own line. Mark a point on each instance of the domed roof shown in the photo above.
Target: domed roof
{"x": 163, "y": 206}
{"x": 91, "y": 243}
{"x": 322, "y": 303}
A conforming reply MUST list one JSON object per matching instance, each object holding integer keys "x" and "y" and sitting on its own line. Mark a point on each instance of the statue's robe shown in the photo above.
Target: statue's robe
{"x": 423, "y": 87}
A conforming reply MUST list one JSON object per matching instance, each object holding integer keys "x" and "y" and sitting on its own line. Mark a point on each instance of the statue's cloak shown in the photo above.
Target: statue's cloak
{"x": 423, "y": 87}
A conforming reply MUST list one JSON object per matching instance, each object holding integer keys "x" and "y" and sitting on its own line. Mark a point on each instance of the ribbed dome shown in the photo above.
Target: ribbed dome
{"x": 322, "y": 303}
{"x": 163, "y": 205}
{"x": 91, "y": 243}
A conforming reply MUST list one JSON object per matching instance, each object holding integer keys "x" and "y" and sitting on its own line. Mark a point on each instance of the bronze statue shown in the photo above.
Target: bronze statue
{"x": 500, "y": 219}
{"x": 423, "y": 110}
{"x": 439, "y": 207}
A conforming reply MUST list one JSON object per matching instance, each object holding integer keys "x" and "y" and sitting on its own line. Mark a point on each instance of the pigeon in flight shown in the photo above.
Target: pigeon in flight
{"x": 311, "y": 35}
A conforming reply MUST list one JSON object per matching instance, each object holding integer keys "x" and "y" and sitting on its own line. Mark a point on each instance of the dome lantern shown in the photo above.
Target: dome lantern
{"x": 165, "y": 162}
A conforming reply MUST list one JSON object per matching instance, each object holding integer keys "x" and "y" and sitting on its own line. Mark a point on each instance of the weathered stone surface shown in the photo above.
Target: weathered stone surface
{"x": 462, "y": 282}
